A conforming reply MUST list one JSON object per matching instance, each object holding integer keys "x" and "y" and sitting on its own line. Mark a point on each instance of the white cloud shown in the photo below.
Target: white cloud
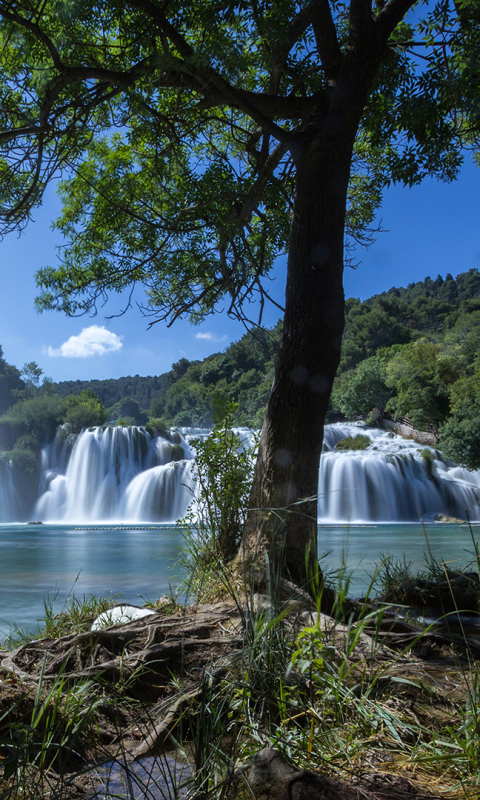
{"x": 92, "y": 341}
{"x": 212, "y": 337}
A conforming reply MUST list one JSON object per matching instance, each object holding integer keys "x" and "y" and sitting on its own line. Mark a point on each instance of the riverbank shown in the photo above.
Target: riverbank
{"x": 363, "y": 701}
{"x": 50, "y": 562}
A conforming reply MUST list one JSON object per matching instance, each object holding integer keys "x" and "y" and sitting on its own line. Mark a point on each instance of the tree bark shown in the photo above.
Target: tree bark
{"x": 281, "y": 525}
{"x": 283, "y": 517}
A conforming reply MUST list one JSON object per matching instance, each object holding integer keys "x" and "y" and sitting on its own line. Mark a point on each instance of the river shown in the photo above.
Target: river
{"x": 49, "y": 562}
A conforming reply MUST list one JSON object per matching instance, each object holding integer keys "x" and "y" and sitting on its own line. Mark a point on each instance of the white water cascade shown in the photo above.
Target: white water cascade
{"x": 128, "y": 475}
{"x": 393, "y": 480}
{"x": 115, "y": 473}
{"x": 8, "y": 495}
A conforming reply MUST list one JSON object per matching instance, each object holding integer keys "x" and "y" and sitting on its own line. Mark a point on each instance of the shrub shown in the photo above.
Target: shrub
{"x": 460, "y": 441}
{"x": 159, "y": 425}
{"x": 359, "y": 442}
{"x": 38, "y": 416}
{"x": 223, "y": 473}
{"x": 26, "y": 443}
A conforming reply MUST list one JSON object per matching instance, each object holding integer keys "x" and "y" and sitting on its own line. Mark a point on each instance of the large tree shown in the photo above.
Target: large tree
{"x": 198, "y": 140}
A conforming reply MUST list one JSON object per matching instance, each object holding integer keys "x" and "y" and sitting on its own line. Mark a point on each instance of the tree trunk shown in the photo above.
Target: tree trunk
{"x": 283, "y": 517}
{"x": 282, "y": 521}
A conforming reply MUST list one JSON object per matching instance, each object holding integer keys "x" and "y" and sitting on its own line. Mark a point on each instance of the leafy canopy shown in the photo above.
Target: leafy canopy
{"x": 174, "y": 128}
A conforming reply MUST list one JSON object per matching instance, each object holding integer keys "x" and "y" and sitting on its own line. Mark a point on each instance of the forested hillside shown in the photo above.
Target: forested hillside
{"x": 415, "y": 352}
{"x": 433, "y": 322}
{"x": 114, "y": 390}
{"x": 183, "y": 396}
{"x": 410, "y": 352}
{"x": 427, "y": 308}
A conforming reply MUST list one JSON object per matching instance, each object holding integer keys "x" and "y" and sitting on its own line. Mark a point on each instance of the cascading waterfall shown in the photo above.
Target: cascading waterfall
{"x": 8, "y": 496}
{"x": 115, "y": 473}
{"x": 128, "y": 474}
{"x": 393, "y": 480}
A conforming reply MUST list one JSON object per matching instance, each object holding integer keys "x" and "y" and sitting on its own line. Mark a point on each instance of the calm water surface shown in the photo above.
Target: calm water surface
{"x": 361, "y": 547}
{"x": 44, "y": 561}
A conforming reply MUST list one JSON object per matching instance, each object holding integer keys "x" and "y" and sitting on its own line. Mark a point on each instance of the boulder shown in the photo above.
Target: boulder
{"x": 119, "y": 615}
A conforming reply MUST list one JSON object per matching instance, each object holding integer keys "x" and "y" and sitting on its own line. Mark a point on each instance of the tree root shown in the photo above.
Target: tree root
{"x": 165, "y": 724}
{"x": 122, "y": 649}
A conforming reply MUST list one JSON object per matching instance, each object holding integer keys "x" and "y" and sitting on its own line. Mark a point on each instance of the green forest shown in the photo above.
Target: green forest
{"x": 412, "y": 352}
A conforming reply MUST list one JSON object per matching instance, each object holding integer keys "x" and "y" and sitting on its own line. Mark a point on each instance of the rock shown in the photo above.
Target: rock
{"x": 119, "y": 615}
{"x": 310, "y": 618}
{"x": 268, "y": 773}
{"x": 446, "y": 518}
{"x": 261, "y": 602}
{"x": 162, "y": 601}
{"x": 271, "y": 777}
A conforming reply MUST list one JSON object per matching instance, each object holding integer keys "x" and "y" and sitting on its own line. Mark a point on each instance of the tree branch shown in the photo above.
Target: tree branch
{"x": 294, "y": 31}
{"x": 360, "y": 19}
{"x": 258, "y": 187}
{"x": 391, "y": 14}
{"x": 207, "y": 76}
{"x": 271, "y": 105}
{"x": 326, "y": 38}
{"x": 11, "y": 15}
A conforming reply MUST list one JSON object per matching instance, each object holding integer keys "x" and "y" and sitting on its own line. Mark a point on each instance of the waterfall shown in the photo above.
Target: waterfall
{"x": 393, "y": 480}
{"x": 8, "y": 496}
{"x": 115, "y": 473}
{"x": 127, "y": 474}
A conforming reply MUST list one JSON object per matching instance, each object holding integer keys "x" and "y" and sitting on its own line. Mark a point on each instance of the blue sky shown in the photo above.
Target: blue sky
{"x": 431, "y": 229}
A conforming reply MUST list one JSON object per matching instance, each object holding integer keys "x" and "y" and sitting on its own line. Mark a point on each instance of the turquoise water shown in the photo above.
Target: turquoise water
{"x": 43, "y": 561}
{"x": 361, "y": 547}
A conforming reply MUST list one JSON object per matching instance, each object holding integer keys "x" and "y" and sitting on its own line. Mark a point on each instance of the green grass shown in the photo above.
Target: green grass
{"x": 438, "y": 585}
{"x": 321, "y": 696}
{"x": 359, "y": 442}
{"x": 76, "y": 616}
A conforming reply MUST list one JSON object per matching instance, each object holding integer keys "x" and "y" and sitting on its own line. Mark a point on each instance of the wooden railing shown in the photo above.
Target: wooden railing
{"x": 427, "y": 428}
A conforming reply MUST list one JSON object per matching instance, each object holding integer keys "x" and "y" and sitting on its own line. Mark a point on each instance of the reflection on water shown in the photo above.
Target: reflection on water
{"x": 160, "y": 778}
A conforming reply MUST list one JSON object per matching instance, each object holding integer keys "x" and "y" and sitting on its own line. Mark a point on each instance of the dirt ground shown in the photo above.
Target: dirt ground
{"x": 158, "y": 662}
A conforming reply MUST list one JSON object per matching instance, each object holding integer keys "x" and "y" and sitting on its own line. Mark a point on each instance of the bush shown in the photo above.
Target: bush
{"x": 27, "y": 443}
{"x": 460, "y": 441}
{"x": 39, "y": 416}
{"x": 359, "y": 442}
{"x": 360, "y": 390}
{"x": 84, "y": 411}
{"x": 84, "y": 415}
{"x": 223, "y": 474}
{"x": 158, "y": 425}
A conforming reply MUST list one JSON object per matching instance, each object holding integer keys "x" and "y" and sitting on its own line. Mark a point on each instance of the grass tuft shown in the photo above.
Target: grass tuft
{"x": 359, "y": 442}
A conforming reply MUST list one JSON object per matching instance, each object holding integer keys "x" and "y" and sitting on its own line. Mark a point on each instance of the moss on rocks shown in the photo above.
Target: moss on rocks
{"x": 359, "y": 442}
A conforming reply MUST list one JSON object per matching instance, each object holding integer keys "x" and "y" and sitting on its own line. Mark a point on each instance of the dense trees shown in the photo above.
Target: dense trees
{"x": 10, "y": 382}
{"x": 199, "y": 140}
{"x": 433, "y": 379}
{"x": 32, "y": 414}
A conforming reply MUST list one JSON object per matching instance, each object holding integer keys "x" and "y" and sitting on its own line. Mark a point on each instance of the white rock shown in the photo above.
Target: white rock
{"x": 119, "y": 615}
{"x": 326, "y": 623}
